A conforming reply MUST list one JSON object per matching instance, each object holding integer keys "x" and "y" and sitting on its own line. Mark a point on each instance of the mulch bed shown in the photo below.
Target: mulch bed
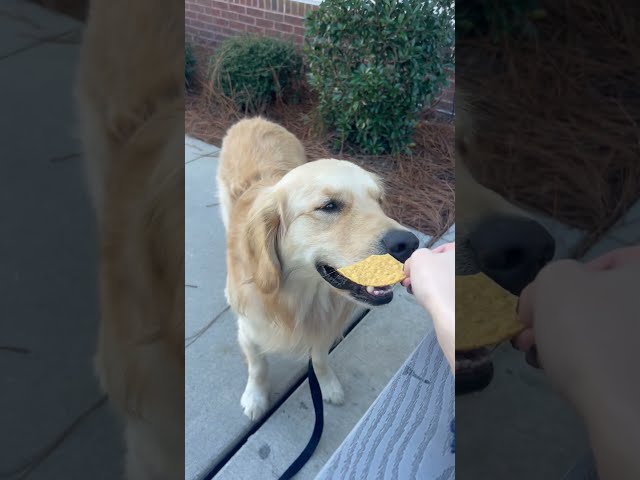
{"x": 420, "y": 187}
{"x": 559, "y": 115}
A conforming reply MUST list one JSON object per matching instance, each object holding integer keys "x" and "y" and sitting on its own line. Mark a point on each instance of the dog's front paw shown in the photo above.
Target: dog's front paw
{"x": 254, "y": 401}
{"x": 332, "y": 391}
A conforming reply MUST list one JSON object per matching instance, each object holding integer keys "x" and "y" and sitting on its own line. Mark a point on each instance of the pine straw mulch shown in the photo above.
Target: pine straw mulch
{"x": 420, "y": 186}
{"x": 559, "y": 116}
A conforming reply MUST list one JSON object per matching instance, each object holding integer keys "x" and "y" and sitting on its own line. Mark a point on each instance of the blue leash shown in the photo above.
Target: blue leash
{"x": 316, "y": 397}
{"x": 453, "y": 436}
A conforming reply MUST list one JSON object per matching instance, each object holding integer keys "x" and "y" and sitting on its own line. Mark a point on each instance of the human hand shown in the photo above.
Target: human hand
{"x": 583, "y": 321}
{"x": 431, "y": 278}
{"x": 615, "y": 258}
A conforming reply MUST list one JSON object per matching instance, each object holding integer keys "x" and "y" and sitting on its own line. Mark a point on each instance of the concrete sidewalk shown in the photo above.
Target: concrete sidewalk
{"x": 216, "y": 373}
{"x": 48, "y": 251}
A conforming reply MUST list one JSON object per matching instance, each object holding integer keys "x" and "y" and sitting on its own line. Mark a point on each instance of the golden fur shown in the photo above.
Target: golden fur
{"x": 131, "y": 113}
{"x": 269, "y": 197}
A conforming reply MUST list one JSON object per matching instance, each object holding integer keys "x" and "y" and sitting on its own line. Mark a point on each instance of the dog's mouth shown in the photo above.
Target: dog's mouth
{"x": 472, "y": 360}
{"x": 474, "y": 370}
{"x": 370, "y": 295}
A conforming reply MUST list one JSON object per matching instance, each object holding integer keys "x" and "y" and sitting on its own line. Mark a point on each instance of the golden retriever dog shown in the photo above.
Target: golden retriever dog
{"x": 130, "y": 100}
{"x": 494, "y": 237}
{"x": 290, "y": 225}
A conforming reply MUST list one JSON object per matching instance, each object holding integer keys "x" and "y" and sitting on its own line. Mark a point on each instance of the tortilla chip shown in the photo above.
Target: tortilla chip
{"x": 375, "y": 271}
{"x": 485, "y": 313}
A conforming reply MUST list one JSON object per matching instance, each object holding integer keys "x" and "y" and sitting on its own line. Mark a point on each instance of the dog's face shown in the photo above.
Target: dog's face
{"x": 322, "y": 216}
{"x": 493, "y": 237}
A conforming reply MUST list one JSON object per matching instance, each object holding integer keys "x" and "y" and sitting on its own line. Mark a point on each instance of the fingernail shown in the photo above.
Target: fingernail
{"x": 531, "y": 357}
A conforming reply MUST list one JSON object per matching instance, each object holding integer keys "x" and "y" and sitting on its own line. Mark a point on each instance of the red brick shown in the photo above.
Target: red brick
{"x": 221, "y": 22}
{"x": 283, "y": 27}
{"x": 254, "y": 12}
{"x": 247, "y": 19}
{"x": 205, "y": 18}
{"x": 239, "y": 27}
{"x": 238, "y": 8}
{"x": 264, "y": 23}
{"x": 229, "y": 15}
{"x": 254, "y": 29}
{"x": 291, "y": 20}
{"x": 215, "y": 12}
{"x": 190, "y": 15}
{"x": 220, "y": 5}
{"x": 196, "y": 8}
{"x": 272, "y": 33}
{"x": 276, "y": 17}
{"x": 203, "y": 33}
{"x": 298, "y": 31}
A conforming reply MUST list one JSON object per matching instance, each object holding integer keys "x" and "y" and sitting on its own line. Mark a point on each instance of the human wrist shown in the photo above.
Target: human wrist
{"x": 613, "y": 426}
{"x": 444, "y": 325}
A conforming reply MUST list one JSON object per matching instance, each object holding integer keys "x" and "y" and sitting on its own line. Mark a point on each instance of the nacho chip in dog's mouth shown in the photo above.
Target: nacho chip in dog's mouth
{"x": 485, "y": 313}
{"x": 375, "y": 271}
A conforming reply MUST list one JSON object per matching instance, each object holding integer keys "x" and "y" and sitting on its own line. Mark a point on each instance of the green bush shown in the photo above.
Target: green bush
{"x": 376, "y": 66}
{"x": 255, "y": 71}
{"x": 189, "y": 66}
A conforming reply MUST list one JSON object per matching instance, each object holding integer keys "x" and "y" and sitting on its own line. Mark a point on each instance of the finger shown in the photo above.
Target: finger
{"x": 604, "y": 262}
{"x": 525, "y": 305}
{"x": 444, "y": 248}
{"x": 406, "y": 282}
{"x": 407, "y": 267}
{"x": 524, "y": 340}
{"x": 615, "y": 258}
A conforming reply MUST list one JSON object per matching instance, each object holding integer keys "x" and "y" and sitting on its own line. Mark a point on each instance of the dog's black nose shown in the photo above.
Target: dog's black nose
{"x": 511, "y": 250}
{"x": 400, "y": 244}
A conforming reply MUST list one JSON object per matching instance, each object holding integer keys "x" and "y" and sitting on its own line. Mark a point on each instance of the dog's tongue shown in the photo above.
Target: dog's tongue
{"x": 378, "y": 290}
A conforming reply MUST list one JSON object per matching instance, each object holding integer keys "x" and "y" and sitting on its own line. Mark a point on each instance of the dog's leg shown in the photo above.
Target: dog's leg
{"x": 332, "y": 391}
{"x": 224, "y": 203}
{"x": 255, "y": 398}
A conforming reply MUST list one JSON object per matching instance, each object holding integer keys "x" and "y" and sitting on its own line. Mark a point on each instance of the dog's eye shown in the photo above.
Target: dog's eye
{"x": 330, "y": 207}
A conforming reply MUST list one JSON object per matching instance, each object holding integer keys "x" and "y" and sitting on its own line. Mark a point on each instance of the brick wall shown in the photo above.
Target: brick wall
{"x": 207, "y": 22}
{"x": 210, "y": 21}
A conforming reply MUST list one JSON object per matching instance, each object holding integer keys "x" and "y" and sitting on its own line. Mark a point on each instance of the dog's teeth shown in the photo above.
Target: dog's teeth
{"x": 370, "y": 290}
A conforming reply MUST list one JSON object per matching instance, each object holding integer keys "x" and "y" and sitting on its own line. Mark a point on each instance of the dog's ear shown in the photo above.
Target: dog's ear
{"x": 262, "y": 242}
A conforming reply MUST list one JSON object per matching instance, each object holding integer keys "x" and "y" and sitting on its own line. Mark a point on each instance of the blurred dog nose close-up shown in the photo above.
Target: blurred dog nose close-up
{"x": 511, "y": 250}
{"x": 400, "y": 244}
